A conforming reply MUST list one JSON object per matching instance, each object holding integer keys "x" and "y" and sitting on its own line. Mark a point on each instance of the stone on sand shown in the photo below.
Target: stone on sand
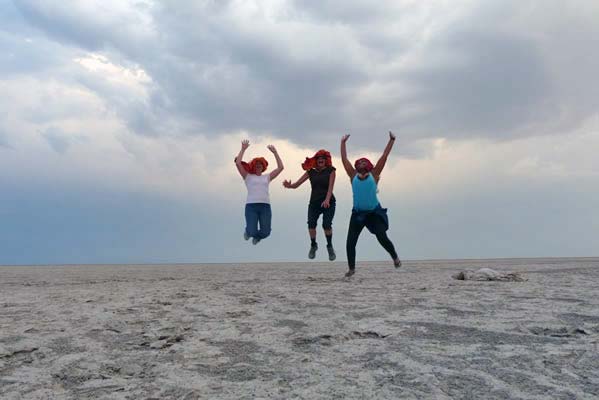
{"x": 487, "y": 274}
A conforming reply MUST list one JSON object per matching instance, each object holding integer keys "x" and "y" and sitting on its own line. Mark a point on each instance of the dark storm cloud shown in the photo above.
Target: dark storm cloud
{"x": 500, "y": 86}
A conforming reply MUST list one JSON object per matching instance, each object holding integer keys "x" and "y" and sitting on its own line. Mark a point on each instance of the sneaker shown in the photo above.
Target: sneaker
{"x": 255, "y": 240}
{"x": 397, "y": 263}
{"x": 312, "y": 252}
{"x": 332, "y": 254}
{"x": 350, "y": 272}
{"x": 246, "y": 236}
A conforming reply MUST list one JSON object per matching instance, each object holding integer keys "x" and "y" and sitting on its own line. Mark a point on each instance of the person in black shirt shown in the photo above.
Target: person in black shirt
{"x": 320, "y": 171}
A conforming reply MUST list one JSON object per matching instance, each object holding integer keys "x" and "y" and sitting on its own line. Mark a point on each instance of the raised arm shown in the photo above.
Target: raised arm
{"x": 327, "y": 201}
{"x": 298, "y": 183}
{"x": 280, "y": 167}
{"x": 244, "y": 145}
{"x": 380, "y": 164}
{"x": 351, "y": 172}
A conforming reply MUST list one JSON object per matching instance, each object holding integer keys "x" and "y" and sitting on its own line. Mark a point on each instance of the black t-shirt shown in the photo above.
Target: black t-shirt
{"x": 320, "y": 184}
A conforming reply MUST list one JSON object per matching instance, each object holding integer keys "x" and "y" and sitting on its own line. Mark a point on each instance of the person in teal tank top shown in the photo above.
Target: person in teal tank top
{"x": 367, "y": 211}
{"x": 364, "y": 192}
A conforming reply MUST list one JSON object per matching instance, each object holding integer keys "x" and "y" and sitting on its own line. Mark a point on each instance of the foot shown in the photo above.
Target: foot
{"x": 255, "y": 240}
{"x": 350, "y": 272}
{"x": 312, "y": 252}
{"x": 397, "y": 263}
{"x": 246, "y": 236}
{"x": 332, "y": 254}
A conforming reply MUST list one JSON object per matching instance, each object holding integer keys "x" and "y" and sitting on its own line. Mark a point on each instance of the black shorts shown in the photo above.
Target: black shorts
{"x": 314, "y": 211}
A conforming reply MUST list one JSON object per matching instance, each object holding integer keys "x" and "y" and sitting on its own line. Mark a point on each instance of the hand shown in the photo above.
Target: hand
{"x": 326, "y": 204}
{"x": 245, "y": 144}
{"x": 344, "y": 138}
{"x": 287, "y": 184}
{"x": 391, "y": 136}
{"x": 272, "y": 148}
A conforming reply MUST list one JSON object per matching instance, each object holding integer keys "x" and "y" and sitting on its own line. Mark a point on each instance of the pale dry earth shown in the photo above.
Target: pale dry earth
{"x": 300, "y": 331}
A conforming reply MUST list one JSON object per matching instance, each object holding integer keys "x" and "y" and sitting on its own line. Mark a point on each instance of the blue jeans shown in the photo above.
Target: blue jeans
{"x": 258, "y": 213}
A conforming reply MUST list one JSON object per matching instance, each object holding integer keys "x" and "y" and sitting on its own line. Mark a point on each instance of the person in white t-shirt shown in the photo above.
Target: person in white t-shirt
{"x": 258, "y": 214}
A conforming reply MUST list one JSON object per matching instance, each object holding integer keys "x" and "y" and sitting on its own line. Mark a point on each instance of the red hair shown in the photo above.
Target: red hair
{"x": 311, "y": 161}
{"x": 251, "y": 167}
{"x": 369, "y": 165}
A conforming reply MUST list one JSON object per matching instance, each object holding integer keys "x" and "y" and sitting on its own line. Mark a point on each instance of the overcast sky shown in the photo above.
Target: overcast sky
{"x": 119, "y": 120}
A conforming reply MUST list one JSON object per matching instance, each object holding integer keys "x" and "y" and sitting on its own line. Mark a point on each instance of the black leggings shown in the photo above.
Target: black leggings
{"x": 353, "y": 233}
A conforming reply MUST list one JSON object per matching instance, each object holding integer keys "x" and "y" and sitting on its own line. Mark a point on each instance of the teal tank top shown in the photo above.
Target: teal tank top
{"x": 364, "y": 193}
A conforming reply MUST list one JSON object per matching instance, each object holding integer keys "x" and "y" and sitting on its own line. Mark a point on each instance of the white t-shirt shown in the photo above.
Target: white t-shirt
{"x": 257, "y": 188}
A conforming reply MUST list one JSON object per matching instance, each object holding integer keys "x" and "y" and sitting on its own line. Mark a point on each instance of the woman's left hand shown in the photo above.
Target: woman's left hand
{"x": 272, "y": 148}
{"x": 326, "y": 204}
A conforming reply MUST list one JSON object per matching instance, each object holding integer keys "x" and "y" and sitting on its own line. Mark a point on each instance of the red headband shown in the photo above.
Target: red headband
{"x": 311, "y": 161}
{"x": 369, "y": 165}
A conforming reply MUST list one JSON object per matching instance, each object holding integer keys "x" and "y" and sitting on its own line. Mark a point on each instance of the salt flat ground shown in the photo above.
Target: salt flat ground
{"x": 300, "y": 331}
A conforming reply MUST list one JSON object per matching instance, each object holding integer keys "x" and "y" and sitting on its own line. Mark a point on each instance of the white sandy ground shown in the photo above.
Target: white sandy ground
{"x": 300, "y": 331}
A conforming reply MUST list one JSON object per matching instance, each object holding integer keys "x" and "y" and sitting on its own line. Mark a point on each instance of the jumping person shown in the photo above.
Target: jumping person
{"x": 367, "y": 211}
{"x": 257, "y": 207}
{"x": 319, "y": 169}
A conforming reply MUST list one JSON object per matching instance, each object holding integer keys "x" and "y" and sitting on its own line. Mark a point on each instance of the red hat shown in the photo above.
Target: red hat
{"x": 251, "y": 167}
{"x": 311, "y": 161}
{"x": 369, "y": 165}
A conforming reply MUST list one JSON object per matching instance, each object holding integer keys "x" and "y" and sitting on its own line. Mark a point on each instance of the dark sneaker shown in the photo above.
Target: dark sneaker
{"x": 350, "y": 272}
{"x": 397, "y": 263}
{"x": 246, "y": 236}
{"x": 255, "y": 240}
{"x": 312, "y": 252}
{"x": 332, "y": 254}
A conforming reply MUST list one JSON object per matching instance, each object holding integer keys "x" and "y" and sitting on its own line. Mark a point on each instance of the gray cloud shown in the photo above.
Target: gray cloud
{"x": 56, "y": 139}
{"x": 87, "y": 25}
{"x": 500, "y": 86}
{"x": 312, "y": 71}
{"x": 24, "y": 50}
{"x": 4, "y": 141}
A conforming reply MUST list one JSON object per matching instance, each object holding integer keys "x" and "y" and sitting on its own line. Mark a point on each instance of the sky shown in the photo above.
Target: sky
{"x": 120, "y": 119}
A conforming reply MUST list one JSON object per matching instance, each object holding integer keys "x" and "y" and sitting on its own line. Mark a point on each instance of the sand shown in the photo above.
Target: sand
{"x": 300, "y": 331}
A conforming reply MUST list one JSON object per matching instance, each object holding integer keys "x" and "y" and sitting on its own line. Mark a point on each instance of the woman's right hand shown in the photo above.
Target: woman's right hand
{"x": 287, "y": 184}
{"x": 344, "y": 138}
{"x": 245, "y": 144}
